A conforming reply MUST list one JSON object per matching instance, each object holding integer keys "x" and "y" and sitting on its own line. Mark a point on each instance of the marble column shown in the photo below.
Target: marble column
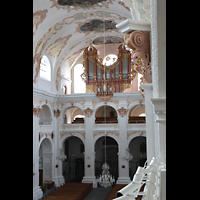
{"x": 89, "y": 155}
{"x": 37, "y": 192}
{"x": 150, "y": 136}
{"x": 58, "y": 177}
{"x": 123, "y": 163}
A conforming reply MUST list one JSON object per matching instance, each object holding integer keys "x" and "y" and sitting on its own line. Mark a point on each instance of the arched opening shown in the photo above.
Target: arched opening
{"x": 73, "y": 166}
{"x": 137, "y": 148}
{"x": 45, "y": 116}
{"x": 45, "y": 68}
{"x": 79, "y": 84}
{"x": 73, "y": 115}
{"x": 137, "y": 114}
{"x": 106, "y": 114}
{"x": 45, "y": 162}
{"x": 111, "y": 155}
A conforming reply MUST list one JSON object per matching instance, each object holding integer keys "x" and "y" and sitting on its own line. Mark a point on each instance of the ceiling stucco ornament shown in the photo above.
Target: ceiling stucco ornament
{"x": 79, "y": 3}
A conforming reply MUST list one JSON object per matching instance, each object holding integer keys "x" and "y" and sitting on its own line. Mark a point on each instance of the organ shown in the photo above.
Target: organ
{"x": 104, "y": 80}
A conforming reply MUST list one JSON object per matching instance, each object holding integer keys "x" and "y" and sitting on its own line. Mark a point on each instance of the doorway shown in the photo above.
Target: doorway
{"x": 111, "y": 155}
{"x": 73, "y": 165}
{"x": 45, "y": 161}
{"x": 137, "y": 148}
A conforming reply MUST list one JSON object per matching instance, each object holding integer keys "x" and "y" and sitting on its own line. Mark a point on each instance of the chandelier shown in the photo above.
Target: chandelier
{"x": 105, "y": 179}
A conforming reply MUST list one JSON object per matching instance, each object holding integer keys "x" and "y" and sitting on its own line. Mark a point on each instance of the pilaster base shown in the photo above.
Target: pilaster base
{"x": 59, "y": 181}
{"x": 123, "y": 180}
{"x": 88, "y": 179}
{"x": 37, "y": 193}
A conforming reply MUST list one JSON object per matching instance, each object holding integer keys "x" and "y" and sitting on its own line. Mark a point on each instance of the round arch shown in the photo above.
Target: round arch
{"x": 103, "y": 135}
{"x": 69, "y": 105}
{"x": 51, "y": 141}
{"x": 103, "y": 104}
{"x": 112, "y": 158}
{"x": 73, "y": 166}
{"x": 62, "y": 140}
{"x": 46, "y": 103}
{"x": 46, "y": 163}
{"x": 138, "y": 134}
{"x": 135, "y": 103}
{"x": 137, "y": 148}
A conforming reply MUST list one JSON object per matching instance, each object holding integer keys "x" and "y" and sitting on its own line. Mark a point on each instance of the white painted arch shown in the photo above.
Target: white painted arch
{"x": 62, "y": 140}
{"x": 103, "y": 104}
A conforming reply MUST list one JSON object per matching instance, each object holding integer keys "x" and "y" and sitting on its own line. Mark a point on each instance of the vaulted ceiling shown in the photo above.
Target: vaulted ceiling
{"x": 62, "y": 32}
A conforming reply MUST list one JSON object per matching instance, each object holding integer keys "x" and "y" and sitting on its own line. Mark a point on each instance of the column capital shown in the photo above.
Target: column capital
{"x": 159, "y": 108}
{"x": 36, "y": 111}
{"x": 57, "y": 113}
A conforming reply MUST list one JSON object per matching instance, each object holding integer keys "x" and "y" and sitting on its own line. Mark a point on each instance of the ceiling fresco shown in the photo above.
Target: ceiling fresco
{"x": 98, "y": 25}
{"x": 80, "y": 3}
{"x": 62, "y": 30}
{"x": 107, "y": 40}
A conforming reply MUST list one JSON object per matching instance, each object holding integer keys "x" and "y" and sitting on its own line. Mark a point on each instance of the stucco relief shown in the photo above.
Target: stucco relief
{"x": 88, "y": 112}
{"x": 41, "y": 45}
{"x": 122, "y": 111}
{"x": 38, "y": 18}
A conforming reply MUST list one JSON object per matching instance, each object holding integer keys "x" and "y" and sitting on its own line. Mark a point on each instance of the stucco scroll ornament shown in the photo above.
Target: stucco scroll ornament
{"x": 36, "y": 64}
{"x": 140, "y": 44}
{"x": 88, "y": 112}
{"x": 122, "y": 111}
{"x": 57, "y": 113}
{"x": 36, "y": 111}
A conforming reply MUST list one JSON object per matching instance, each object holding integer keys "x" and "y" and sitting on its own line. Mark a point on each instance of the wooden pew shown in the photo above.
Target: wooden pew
{"x": 71, "y": 191}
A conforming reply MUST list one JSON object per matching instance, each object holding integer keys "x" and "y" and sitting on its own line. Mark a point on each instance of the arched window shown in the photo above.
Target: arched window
{"x": 109, "y": 59}
{"x": 79, "y": 84}
{"x": 45, "y": 68}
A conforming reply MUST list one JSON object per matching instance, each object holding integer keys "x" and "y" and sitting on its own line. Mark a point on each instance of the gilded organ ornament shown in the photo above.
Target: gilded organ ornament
{"x": 105, "y": 80}
{"x": 139, "y": 44}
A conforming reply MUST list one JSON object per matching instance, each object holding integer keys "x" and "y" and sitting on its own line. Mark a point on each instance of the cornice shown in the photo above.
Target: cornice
{"x": 159, "y": 108}
{"x": 42, "y": 94}
{"x": 130, "y": 25}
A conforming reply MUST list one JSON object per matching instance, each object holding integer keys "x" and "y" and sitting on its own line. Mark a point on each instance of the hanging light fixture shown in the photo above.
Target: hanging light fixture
{"x": 105, "y": 179}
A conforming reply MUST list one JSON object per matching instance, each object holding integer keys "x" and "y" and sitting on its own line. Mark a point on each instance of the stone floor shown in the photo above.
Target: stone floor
{"x": 99, "y": 193}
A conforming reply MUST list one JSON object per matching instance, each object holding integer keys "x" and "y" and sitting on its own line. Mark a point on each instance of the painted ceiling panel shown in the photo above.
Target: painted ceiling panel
{"x": 63, "y": 32}
{"x": 98, "y": 25}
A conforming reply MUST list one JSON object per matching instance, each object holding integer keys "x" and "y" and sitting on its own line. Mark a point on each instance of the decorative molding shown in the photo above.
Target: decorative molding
{"x": 160, "y": 108}
{"x": 154, "y": 47}
{"x": 113, "y": 133}
{"x": 122, "y": 111}
{"x": 129, "y": 134}
{"x": 130, "y": 25}
{"x": 88, "y": 112}
{"x": 36, "y": 111}
{"x": 57, "y": 113}
{"x": 72, "y": 134}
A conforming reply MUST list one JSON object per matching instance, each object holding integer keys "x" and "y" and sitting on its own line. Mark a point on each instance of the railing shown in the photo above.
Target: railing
{"x": 73, "y": 126}
{"x": 146, "y": 182}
